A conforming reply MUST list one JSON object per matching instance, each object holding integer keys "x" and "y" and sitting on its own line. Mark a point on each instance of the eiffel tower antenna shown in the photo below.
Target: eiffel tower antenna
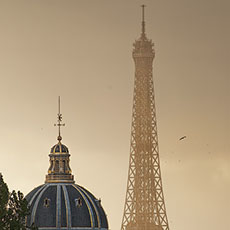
{"x": 143, "y": 19}
{"x": 144, "y": 204}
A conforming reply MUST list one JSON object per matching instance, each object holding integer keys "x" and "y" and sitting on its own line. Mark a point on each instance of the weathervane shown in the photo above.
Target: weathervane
{"x": 59, "y": 120}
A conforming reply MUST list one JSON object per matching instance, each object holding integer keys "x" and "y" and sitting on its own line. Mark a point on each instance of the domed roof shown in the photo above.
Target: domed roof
{"x": 59, "y": 148}
{"x": 65, "y": 206}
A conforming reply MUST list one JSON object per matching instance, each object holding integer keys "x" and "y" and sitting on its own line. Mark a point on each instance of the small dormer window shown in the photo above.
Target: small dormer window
{"x": 98, "y": 202}
{"x": 46, "y": 202}
{"x": 78, "y": 202}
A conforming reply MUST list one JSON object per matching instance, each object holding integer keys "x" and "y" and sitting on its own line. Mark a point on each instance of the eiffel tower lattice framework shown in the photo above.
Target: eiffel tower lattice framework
{"x": 144, "y": 204}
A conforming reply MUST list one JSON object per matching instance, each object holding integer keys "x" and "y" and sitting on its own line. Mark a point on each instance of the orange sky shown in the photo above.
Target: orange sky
{"x": 81, "y": 50}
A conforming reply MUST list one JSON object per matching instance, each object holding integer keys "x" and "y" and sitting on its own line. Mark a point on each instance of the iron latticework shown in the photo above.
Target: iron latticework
{"x": 144, "y": 205}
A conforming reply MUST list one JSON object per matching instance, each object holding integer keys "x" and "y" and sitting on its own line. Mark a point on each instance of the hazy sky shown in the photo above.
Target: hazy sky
{"x": 81, "y": 50}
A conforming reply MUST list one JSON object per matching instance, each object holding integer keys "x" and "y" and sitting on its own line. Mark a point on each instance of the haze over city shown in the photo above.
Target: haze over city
{"x": 82, "y": 51}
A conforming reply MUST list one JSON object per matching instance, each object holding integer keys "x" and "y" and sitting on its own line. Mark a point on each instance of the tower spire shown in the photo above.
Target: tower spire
{"x": 144, "y": 204}
{"x": 59, "y": 120}
{"x": 143, "y": 21}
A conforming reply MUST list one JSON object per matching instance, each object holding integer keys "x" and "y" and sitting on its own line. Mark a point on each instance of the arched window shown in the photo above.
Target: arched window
{"x": 64, "y": 166}
{"x": 56, "y": 167}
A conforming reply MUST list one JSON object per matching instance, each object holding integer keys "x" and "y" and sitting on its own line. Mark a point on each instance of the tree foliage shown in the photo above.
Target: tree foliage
{"x": 13, "y": 209}
{"x": 4, "y": 197}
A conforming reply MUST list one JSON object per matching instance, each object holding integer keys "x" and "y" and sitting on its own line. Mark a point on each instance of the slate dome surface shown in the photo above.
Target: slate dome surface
{"x": 59, "y": 148}
{"x": 65, "y": 206}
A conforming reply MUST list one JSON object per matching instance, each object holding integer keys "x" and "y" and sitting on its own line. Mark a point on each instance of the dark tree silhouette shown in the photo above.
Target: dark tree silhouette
{"x": 4, "y": 197}
{"x": 13, "y": 209}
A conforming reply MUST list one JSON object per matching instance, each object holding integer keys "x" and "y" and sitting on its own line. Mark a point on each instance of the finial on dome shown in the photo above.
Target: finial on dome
{"x": 143, "y": 20}
{"x": 59, "y": 121}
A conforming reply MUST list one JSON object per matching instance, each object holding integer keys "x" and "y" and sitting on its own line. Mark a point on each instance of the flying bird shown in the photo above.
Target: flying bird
{"x": 182, "y": 138}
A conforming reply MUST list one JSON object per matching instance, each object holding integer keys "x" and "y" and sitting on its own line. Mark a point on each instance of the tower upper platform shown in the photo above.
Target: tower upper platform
{"x": 143, "y": 47}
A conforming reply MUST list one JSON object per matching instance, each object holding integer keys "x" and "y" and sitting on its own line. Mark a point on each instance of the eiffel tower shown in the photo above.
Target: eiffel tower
{"x": 144, "y": 204}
